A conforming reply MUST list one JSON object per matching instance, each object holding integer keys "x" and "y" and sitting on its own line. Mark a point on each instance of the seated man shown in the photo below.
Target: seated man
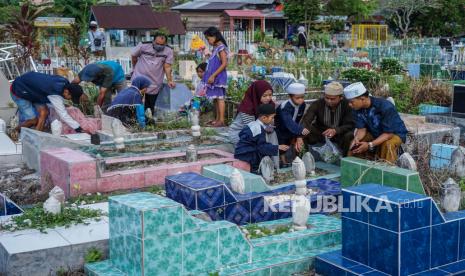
{"x": 329, "y": 117}
{"x": 252, "y": 145}
{"x": 379, "y": 129}
{"x": 36, "y": 90}
{"x": 108, "y": 75}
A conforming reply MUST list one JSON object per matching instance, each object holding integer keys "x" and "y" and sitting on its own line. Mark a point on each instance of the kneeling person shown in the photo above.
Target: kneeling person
{"x": 252, "y": 145}
{"x": 379, "y": 129}
{"x": 330, "y": 117}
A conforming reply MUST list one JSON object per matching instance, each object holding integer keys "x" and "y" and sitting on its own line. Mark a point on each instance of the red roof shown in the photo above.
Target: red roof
{"x": 137, "y": 17}
{"x": 245, "y": 13}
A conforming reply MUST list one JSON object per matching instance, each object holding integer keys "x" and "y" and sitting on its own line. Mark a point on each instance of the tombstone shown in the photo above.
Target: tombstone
{"x": 237, "y": 181}
{"x": 117, "y": 129}
{"x": 391, "y": 100}
{"x": 98, "y": 111}
{"x": 266, "y": 168}
{"x": 187, "y": 69}
{"x": 195, "y": 128}
{"x": 309, "y": 162}
{"x": 406, "y": 161}
{"x": 52, "y": 205}
{"x": 458, "y": 162}
{"x": 171, "y": 100}
{"x": 191, "y": 154}
{"x": 57, "y": 127}
{"x": 299, "y": 172}
{"x": 300, "y": 212}
{"x": 100, "y": 164}
{"x": 57, "y": 193}
{"x": 8, "y": 207}
{"x": 450, "y": 196}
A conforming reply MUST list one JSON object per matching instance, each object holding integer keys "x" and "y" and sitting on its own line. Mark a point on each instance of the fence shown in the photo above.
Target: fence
{"x": 236, "y": 40}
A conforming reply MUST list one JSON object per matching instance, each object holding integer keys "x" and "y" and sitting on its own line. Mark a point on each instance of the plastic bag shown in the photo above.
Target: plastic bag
{"x": 329, "y": 152}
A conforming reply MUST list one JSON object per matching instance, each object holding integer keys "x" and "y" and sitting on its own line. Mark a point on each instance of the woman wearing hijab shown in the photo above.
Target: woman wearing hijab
{"x": 302, "y": 38}
{"x": 123, "y": 106}
{"x": 259, "y": 92}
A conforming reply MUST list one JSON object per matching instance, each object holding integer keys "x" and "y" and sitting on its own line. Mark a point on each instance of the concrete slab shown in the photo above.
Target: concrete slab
{"x": 7, "y": 146}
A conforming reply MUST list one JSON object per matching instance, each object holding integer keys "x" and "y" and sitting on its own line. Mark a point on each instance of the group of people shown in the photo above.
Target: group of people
{"x": 359, "y": 124}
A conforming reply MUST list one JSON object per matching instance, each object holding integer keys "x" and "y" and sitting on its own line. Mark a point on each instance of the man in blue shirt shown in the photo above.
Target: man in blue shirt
{"x": 108, "y": 75}
{"x": 33, "y": 91}
{"x": 379, "y": 130}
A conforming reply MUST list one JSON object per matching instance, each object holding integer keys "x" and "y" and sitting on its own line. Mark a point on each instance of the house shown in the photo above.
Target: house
{"x": 266, "y": 15}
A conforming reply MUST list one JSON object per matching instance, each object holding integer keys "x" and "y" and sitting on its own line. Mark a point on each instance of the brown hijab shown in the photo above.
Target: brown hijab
{"x": 252, "y": 97}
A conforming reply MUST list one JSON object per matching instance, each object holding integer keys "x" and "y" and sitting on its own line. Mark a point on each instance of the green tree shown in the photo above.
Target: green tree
{"x": 359, "y": 9}
{"x": 79, "y": 10}
{"x": 449, "y": 20}
{"x": 302, "y": 11}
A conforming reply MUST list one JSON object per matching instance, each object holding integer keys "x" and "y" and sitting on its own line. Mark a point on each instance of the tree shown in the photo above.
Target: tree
{"x": 359, "y": 9}
{"x": 301, "y": 11}
{"x": 448, "y": 20}
{"x": 402, "y": 11}
{"x": 79, "y": 10}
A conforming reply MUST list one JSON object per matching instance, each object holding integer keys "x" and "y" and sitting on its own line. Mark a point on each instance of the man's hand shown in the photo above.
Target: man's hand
{"x": 361, "y": 147}
{"x": 283, "y": 147}
{"x": 171, "y": 84}
{"x": 211, "y": 79}
{"x": 305, "y": 132}
{"x": 299, "y": 144}
{"x": 330, "y": 133}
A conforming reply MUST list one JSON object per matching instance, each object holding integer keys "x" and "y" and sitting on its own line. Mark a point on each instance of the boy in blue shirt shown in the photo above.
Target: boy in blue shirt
{"x": 379, "y": 129}
{"x": 289, "y": 115}
{"x": 252, "y": 145}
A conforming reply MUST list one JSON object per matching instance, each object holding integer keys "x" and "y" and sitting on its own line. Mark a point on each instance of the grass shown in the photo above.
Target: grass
{"x": 254, "y": 231}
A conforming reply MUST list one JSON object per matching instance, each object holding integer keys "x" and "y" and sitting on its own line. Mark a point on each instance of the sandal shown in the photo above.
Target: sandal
{"x": 218, "y": 124}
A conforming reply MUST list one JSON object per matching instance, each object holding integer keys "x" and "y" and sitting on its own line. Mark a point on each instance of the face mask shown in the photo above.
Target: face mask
{"x": 158, "y": 47}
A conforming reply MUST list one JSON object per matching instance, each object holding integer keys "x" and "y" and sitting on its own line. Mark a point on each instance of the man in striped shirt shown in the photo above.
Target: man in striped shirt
{"x": 329, "y": 117}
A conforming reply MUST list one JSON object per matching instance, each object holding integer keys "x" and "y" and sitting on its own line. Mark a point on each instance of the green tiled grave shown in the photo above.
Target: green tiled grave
{"x": 153, "y": 235}
{"x": 355, "y": 171}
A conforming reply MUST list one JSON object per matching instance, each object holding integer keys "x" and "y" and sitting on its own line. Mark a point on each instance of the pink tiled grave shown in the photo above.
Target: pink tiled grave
{"x": 76, "y": 172}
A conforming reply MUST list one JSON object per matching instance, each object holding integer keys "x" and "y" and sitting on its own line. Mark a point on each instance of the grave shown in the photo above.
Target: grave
{"x": 455, "y": 120}
{"x": 8, "y": 207}
{"x": 220, "y": 202}
{"x": 153, "y": 235}
{"x": 441, "y": 155}
{"x": 77, "y": 172}
{"x": 411, "y": 238}
{"x": 355, "y": 171}
{"x": 10, "y": 152}
{"x": 30, "y": 252}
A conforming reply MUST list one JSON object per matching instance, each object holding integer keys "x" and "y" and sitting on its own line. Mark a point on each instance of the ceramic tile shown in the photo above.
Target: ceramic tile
{"x": 462, "y": 240}
{"x": 238, "y": 213}
{"x": 371, "y": 175}
{"x": 216, "y": 213}
{"x": 436, "y": 216}
{"x": 370, "y": 189}
{"x": 162, "y": 222}
{"x": 415, "y": 251}
{"x": 444, "y": 241}
{"x": 234, "y": 248}
{"x": 355, "y": 240}
{"x": 384, "y": 214}
{"x": 291, "y": 268}
{"x": 350, "y": 172}
{"x": 457, "y": 268}
{"x": 433, "y": 272}
{"x": 163, "y": 256}
{"x": 336, "y": 257}
{"x": 258, "y": 212}
{"x": 210, "y": 198}
{"x": 200, "y": 252}
{"x": 359, "y": 269}
{"x": 374, "y": 273}
{"x": 415, "y": 185}
{"x": 127, "y": 256}
{"x": 401, "y": 197}
{"x": 349, "y": 202}
{"x": 104, "y": 268}
{"x": 325, "y": 268}
{"x": 394, "y": 180}
{"x": 270, "y": 250}
{"x": 386, "y": 247}
{"x": 415, "y": 215}
{"x": 194, "y": 181}
{"x": 307, "y": 243}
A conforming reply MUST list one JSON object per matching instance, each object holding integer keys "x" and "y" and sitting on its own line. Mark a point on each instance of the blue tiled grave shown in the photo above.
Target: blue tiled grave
{"x": 8, "y": 207}
{"x": 441, "y": 155}
{"x": 154, "y": 235}
{"x": 412, "y": 237}
{"x": 217, "y": 199}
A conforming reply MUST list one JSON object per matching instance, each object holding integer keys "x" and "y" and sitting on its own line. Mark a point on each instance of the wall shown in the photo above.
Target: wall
{"x": 200, "y": 21}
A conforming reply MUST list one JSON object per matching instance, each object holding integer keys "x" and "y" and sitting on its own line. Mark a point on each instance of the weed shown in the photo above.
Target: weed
{"x": 93, "y": 255}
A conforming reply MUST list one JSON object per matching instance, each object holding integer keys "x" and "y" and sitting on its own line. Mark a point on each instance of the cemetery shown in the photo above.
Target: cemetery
{"x": 159, "y": 183}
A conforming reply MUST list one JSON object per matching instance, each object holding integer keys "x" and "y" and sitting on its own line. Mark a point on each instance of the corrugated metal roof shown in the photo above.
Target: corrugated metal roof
{"x": 137, "y": 17}
{"x": 244, "y": 13}
{"x": 209, "y": 6}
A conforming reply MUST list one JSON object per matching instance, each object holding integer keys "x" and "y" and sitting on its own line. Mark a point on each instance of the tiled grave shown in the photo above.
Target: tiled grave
{"x": 433, "y": 109}
{"x": 30, "y": 252}
{"x": 410, "y": 237}
{"x": 217, "y": 199}
{"x": 76, "y": 172}
{"x": 154, "y": 235}
{"x": 454, "y": 119}
{"x": 356, "y": 171}
{"x": 8, "y": 207}
{"x": 441, "y": 155}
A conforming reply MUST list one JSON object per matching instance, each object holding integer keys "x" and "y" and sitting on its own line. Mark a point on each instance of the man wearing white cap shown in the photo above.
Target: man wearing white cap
{"x": 379, "y": 129}
{"x": 329, "y": 117}
{"x": 288, "y": 116}
{"x": 96, "y": 39}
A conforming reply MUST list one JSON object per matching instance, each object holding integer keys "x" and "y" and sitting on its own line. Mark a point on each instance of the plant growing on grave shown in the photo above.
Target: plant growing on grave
{"x": 462, "y": 184}
{"x": 368, "y": 77}
{"x": 208, "y": 132}
{"x": 37, "y": 218}
{"x": 391, "y": 66}
{"x": 93, "y": 255}
{"x": 158, "y": 190}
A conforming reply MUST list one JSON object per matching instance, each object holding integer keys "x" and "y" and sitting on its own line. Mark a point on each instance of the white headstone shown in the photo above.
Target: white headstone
{"x": 57, "y": 193}
{"x": 266, "y": 168}
{"x": 451, "y": 195}
{"x": 298, "y": 169}
{"x": 300, "y": 212}
{"x": 56, "y": 127}
{"x": 391, "y": 100}
{"x": 195, "y": 128}
{"x": 458, "y": 162}
{"x": 237, "y": 181}
{"x": 187, "y": 68}
{"x": 309, "y": 162}
{"x": 406, "y": 161}
{"x": 2, "y": 125}
{"x": 117, "y": 129}
{"x": 191, "y": 154}
{"x": 52, "y": 205}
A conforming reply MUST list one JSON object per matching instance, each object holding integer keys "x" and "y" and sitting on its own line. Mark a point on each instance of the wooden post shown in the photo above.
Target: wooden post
{"x": 231, "y": 24}
{"x": 262, "y": 24}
